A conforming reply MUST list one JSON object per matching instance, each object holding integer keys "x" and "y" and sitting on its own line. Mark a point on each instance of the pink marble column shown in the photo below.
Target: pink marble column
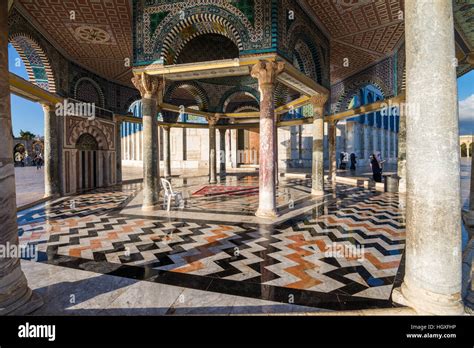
{"x": 266, "y": 73}
{"x": 151, "y": 90}
{"x": 15, "y": 296}
{"x": 318, "y": 103}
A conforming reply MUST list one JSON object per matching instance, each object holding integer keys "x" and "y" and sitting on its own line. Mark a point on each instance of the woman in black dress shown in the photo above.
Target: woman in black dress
{"x": 376, "y": 168}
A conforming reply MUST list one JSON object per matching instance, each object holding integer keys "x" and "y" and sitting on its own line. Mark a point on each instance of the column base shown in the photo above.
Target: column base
{"x": 425, "y": 302}
{"x": 266, "y": 214}
{"x": 52, "y": 195}
{"x": 317, "y": 192}
{"x": 212, "y": 182}
{"x": 17, "y": 298}
{"x": 149, "y": 207}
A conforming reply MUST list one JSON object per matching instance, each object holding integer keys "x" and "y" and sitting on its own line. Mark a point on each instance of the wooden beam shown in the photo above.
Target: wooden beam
{"x": 30, "y": 91}
{"x": 174, "y": 108}
{"x": 295, "y": 104}
{"x": 299, "y": 122}
{"x": 366, "y": 109}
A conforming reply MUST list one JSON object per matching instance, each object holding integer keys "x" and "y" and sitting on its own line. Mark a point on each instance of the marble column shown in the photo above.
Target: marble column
{"x": 151, "y": 90}
{"x": 16, "y": 297}
{"x": 350, "y": 136}
{"x": 368, "y": 143}
{"x": 167, "y": 151}
{"x": 212, "y": 148}
{"x": 471, "y": 203}
{"x": 275, "y": 144}
{"x": 318, "y": 103}
{"x": 223, "y": 152}
{"x": 51, "y": 152}
{"x": 267, "y": 73}
{"x": 402, "y": 153}
{"x": 118, "y": 151}
{"x": 332, "y": 137}
{"x": 432, "y": 282}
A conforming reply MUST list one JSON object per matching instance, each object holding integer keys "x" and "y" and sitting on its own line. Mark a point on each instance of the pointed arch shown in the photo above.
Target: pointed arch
{"x": 36, "y": 61}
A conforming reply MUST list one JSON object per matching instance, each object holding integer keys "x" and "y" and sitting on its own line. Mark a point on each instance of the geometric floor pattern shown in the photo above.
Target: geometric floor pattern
{"x": 345, "y": 254}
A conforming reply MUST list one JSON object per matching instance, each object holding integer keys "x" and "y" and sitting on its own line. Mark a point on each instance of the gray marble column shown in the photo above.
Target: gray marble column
{"x": 167, "y": 151}
{"x": 118, "y": 151}
{"x": 318, "y": 103}
{"x": 402, "y": 153}
{"x": 223, "y": 152}
{"x": 332, "y": 137}
{"x": 151, "y": 88}
{"x": 368, "y": 143}
{"x": 51, "y": 152}
{"x": 15, "y": 296}
{"x": 212, "y": 149}
{"x": 350, "y": 136}
{"x": 266, "y": 73}
{"x": 432, "y": 282}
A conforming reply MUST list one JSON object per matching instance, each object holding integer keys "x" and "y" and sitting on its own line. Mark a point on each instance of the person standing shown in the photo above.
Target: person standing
{"x": 376, "y": 168}
{"x": 353, "y": 161}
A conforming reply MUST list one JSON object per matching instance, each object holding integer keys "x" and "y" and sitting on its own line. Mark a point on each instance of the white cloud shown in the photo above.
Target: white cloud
{"x": 466, "y": 109}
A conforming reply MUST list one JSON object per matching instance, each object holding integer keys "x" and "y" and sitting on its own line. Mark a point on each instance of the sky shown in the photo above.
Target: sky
{"x": 28, "y": 116}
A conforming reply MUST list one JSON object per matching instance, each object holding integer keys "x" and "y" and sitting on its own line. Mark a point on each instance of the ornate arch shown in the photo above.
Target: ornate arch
{"x": 227, "y": 96}
{"x": 194, "y": 26}
{"x": 98, "y": 89}
{"x": 307, "y": 50}
{"x": 194, "y": 89}
{"x": 363, "y": 81}
{"x": 103, "y": 137}
{"x": 281, "y": 95}
{"x": 306, "y": 59}
{"x": 36, "y": 62}
{"x": 248, "y": 108}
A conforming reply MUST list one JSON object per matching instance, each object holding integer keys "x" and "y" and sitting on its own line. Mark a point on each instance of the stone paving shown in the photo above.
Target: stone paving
{"x": 29, "y": 185}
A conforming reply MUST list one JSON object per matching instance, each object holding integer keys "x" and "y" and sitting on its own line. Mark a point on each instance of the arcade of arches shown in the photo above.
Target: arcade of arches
{"x": 246, "y": 112}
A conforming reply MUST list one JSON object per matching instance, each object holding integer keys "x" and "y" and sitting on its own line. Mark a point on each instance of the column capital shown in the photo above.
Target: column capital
{"x": 266, "y": 72}
{"x": 319, "y": 100}
{"x": 470, "y": 58}
{"x": 149, "y": 86}
{"x": 212, "y": 120}
{"x": 47, "y": 107}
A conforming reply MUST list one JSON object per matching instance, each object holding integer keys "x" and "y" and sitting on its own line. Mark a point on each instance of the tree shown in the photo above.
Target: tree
{"x": 26, "y": 135}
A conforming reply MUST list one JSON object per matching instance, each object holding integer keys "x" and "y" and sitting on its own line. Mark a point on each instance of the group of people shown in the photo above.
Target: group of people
{"x": 376, "y": 163}
{"x": 346, "y": 158}
{"x": 22, "y": 159}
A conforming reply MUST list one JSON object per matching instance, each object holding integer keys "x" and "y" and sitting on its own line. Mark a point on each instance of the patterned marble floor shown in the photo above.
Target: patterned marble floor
{"x": 343, "y": 254}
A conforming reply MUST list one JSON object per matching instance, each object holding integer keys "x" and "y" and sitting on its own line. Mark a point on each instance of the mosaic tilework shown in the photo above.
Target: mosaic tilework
{"x": 346, "y": 254}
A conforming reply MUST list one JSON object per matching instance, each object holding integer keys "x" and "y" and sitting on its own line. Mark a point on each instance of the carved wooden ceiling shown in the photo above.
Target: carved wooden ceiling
{"x": 97, "y": 35}
{"x": 100, "y": 37}
{"x": 361, "y": 31}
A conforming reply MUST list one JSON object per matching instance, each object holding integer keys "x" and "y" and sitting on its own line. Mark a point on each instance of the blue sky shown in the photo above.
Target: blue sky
{"x": 27, "y": 115}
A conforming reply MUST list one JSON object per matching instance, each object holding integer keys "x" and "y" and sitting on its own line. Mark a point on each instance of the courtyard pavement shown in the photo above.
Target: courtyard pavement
{"x": 29, "y": 185}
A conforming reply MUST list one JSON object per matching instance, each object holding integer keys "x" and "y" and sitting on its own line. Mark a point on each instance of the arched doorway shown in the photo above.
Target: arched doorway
{"x": 87, "y": 158}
